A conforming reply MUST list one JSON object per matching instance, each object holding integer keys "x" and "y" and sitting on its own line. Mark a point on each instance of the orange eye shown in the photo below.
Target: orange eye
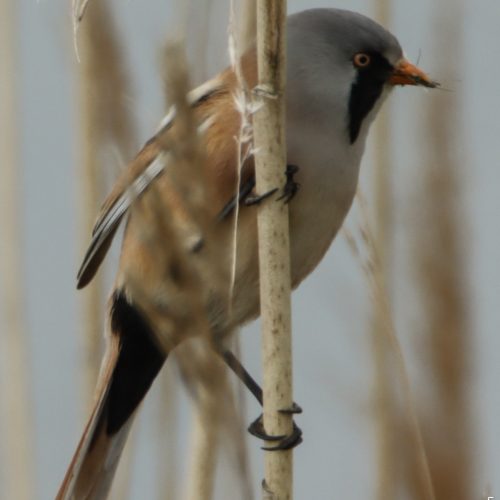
{"x": 362, "y": 60}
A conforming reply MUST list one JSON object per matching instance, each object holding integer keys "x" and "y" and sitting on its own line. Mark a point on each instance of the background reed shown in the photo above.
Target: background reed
{"x": 107, "y": 141}
{"x": 16, "y": 424}
{"x": 440, "y": 270}
{"x": 383, "y": 228}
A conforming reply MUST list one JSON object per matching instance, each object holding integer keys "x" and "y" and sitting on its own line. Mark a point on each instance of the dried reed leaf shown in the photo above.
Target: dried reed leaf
{"x": 370, "y": 263}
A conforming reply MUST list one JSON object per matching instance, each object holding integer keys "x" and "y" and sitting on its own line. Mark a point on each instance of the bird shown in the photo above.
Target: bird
{"x": 341, "y": 66}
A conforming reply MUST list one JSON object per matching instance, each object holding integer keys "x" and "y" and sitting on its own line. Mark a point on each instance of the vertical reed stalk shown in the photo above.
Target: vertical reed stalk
{"x": 203, "y": 373}
{"x": 168, "y": 453}
{"x": 206, "y": 379}
{"x": 274, "y": 252}
{"x": 383, "y": 229}
{"x": 124, "y": 474}
{"x": 16, "y": 433}
{"x": 92, "y": 298}
{"x": 105, "y": 123}
{"x": 383, "y": 167}
{"x": 248, "y": 20}
{"x": 442, "y": 282}
{"x": 370, "y": 264}
{"x": 204, "y": 447}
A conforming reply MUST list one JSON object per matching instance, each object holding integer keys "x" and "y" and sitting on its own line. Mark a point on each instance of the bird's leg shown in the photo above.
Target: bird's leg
{"x": 256, "y": 428}
{"x": 239, "y": 370}
{"x": 258, "y": 198}
{"x": 245, "y": 190}
{"x": 244, "y": 196}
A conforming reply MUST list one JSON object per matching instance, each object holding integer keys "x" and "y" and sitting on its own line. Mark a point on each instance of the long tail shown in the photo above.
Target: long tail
{"x": 132, "y": 362}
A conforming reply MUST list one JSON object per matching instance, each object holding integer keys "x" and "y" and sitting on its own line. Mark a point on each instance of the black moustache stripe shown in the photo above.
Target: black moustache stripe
{"x": 365, "y": 92}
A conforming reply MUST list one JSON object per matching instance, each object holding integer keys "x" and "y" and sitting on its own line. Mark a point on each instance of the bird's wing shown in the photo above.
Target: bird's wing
{"x": 152, "y": 160}
{"x": 148, "y": 164}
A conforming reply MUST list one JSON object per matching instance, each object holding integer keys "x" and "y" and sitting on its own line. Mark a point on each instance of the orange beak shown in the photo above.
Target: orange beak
{"x": 406, "y": 73}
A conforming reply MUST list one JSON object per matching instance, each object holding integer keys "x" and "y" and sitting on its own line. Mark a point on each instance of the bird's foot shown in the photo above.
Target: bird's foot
{"x": 291, "y": 187}
{"x": 289, "y": 190}
{"x": 257, "y": 199}
{"x": 286, "y": 442}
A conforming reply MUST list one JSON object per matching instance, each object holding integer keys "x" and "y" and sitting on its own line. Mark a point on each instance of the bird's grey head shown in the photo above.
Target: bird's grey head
{"x": 341, "y": 62}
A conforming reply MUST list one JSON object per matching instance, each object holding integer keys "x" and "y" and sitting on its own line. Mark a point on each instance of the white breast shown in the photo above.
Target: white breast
{"x": 328, "y": 175}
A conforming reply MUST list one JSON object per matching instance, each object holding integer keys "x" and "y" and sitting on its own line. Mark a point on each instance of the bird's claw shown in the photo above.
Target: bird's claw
{"x": 255, "y": 200}
{"x": 286, "y": 442}
{"x": 291, "y": 187}
{"x": 289, "y": 190}
{"x": 293, "y": 410}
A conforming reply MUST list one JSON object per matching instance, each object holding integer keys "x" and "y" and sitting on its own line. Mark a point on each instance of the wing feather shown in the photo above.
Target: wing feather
{"x": 109, "y": 221}
{"x": 220, "y": 121}
{"x": 145, "y": 168}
